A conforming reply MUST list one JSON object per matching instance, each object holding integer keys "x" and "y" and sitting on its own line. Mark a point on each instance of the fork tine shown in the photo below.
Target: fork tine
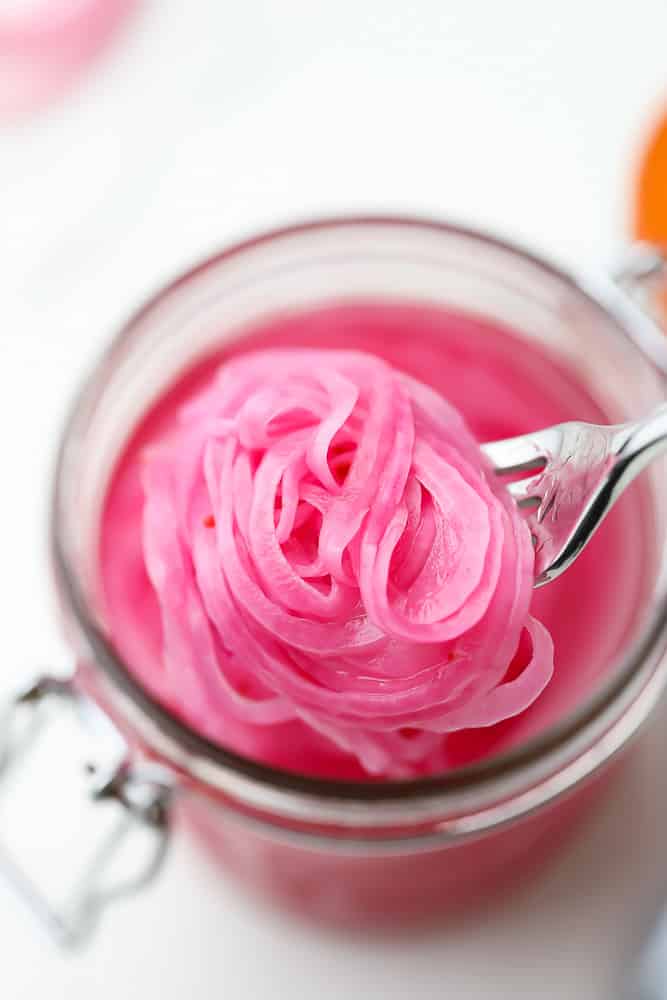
{"x": 521, "y": 454}
{"x": 524, "y": 493}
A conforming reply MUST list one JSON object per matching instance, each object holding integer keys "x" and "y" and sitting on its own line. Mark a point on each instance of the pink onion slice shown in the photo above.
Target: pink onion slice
{"x": 327, "y": 544}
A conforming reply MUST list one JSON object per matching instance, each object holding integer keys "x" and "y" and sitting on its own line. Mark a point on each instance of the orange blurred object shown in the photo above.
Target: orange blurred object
{"x": 651, "y": 204}
{"x": 650, "y": 221}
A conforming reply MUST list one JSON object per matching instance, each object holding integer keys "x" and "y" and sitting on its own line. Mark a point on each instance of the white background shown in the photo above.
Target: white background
{"x": 211, "y": 119}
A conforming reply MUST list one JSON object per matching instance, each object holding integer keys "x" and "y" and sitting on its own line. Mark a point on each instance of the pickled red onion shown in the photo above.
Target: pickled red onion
{"x": 327, "y": 544}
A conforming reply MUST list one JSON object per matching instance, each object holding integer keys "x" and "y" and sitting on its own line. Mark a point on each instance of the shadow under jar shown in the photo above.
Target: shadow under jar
{"x": 389, "y": 852}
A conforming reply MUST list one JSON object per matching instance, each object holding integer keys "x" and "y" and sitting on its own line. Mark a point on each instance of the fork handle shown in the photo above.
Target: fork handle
{"x": 636, "y": 445}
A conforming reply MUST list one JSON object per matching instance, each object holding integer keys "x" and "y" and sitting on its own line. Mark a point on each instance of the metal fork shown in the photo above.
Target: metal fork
{"x": 580, "y": 470}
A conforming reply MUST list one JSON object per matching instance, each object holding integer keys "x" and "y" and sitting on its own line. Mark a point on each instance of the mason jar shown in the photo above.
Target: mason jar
{"x": 348, "y": 852}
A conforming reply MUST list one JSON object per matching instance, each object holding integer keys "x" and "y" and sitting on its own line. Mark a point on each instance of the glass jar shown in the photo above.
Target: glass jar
{"x": 343, "y": 851}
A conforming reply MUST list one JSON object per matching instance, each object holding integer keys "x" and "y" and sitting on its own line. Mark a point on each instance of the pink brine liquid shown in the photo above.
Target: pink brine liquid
{"x": 503, "y": 386}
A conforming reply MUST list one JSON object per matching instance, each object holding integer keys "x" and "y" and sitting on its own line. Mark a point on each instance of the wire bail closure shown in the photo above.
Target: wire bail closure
{"x": 143, "y": 794}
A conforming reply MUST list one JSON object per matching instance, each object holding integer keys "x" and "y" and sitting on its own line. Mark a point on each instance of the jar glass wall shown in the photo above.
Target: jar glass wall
{"x": 392, "y": 849}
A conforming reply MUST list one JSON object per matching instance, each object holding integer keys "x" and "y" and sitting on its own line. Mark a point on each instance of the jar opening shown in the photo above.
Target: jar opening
{"x": 410, "y": 259}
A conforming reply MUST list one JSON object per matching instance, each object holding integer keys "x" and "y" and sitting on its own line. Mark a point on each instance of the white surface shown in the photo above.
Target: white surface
{"x": 210, "y": 120}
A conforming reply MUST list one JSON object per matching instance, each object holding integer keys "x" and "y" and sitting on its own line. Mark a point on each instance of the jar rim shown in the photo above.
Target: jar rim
{"x": 637, "y": 665}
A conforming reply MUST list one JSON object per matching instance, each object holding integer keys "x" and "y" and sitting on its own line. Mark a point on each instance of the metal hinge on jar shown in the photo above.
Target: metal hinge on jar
{"x": 138, "y": 797}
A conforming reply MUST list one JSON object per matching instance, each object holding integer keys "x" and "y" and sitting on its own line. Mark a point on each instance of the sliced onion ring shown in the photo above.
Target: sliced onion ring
{"x": 327, "y": 544}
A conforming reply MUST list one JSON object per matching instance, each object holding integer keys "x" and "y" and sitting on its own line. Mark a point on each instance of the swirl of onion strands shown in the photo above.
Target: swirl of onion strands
{"x": 327, "y": 544}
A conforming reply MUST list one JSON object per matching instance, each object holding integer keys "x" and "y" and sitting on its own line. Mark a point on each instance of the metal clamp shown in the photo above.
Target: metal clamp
{"x": 642, "y": 272}
{"x": 143, "y": 794}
